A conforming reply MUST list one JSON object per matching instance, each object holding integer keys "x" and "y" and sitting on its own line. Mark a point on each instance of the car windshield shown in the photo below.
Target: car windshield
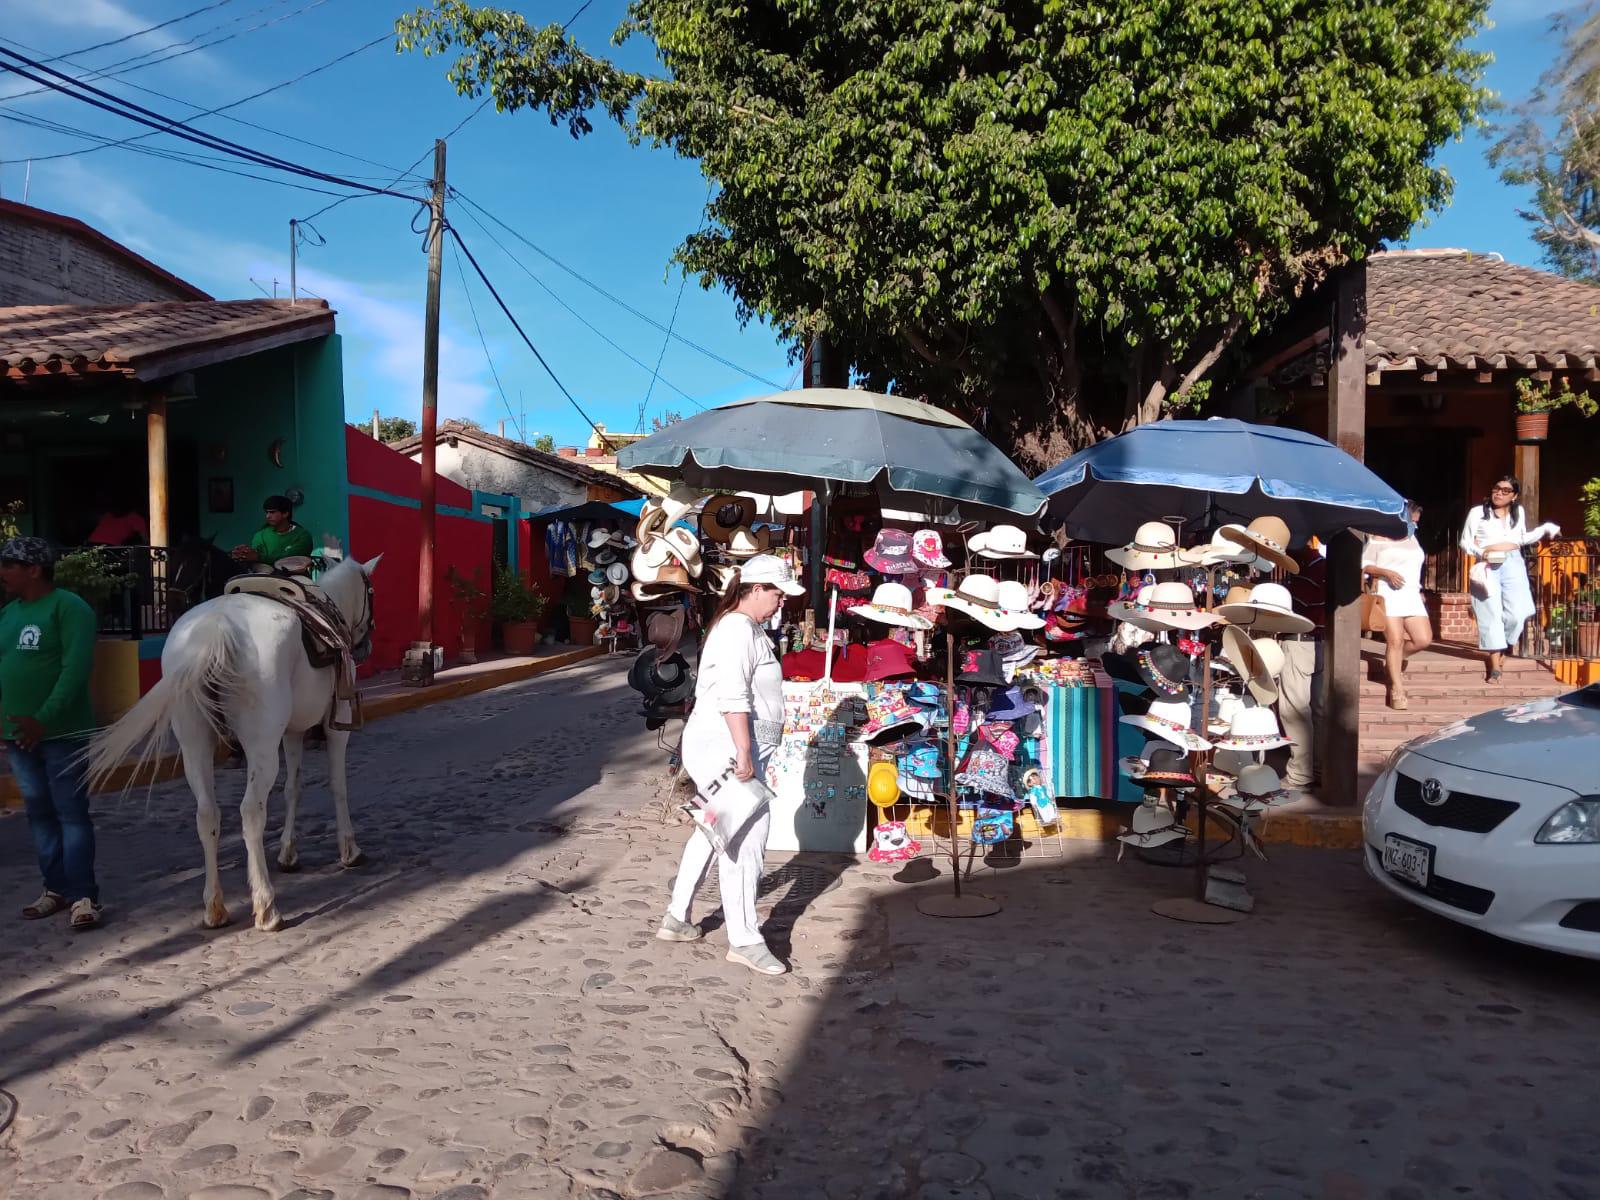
{"x": 1588, "y": 697}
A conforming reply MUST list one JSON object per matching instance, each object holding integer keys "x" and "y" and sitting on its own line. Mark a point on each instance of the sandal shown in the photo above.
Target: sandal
{"x": 85, "y": 914}
{"x": 1399, "y": 703}
{"x": 47, "y": 905}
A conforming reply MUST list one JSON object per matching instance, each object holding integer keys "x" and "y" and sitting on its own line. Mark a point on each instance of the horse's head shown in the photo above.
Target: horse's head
{"x": 350, "y": 585}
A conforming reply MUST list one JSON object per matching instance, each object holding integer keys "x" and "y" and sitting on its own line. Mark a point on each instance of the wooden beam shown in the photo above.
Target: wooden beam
{"x": 1347, "y": 428}
{"x": 155, "y": 436}
{"x": 1262, "y": 369}
{"x": 1527, "y": 460}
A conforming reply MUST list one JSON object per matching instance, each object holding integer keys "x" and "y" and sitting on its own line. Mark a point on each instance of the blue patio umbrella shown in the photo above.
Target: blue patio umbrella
{"x": 1215, "y": 471}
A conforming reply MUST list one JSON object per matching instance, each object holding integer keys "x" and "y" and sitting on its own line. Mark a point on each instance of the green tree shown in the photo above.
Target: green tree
{"x": 545, "y": 442}
{"x": 1060, "y": 212}
{"x": 396, "y": 429}
{"x": 1553, "y": 147}
{"x": 663, "y": 420}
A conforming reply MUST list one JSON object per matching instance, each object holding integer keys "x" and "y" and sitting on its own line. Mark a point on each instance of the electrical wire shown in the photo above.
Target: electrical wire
{"x": 128, "y": 37}
{"x": 517, "y": 325}
{"x": 683, "y": 282}
{"x": 277, "y": 87}
{"x": 584, "y": 321}
{"x": 455, "y": 249}
{"x": 615, "y": 299}
{"x": 157, "y": 121}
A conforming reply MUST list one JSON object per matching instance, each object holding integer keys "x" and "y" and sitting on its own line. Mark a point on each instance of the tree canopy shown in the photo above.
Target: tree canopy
{"x": 396, "y": 429}
{"x": 1055, "y": 216}
{"x": 1553, "y": 146}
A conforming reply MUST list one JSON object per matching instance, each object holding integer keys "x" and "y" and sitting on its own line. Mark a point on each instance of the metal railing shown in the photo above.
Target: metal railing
{"x": 1565, "y": 580}
{"x": 133, "y": 589}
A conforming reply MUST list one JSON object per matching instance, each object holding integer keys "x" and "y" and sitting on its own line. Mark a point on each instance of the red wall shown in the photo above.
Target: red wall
{"x": 391, "y": 525}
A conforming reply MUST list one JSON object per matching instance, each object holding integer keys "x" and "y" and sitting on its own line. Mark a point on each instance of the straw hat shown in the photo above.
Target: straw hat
{"x": 1218, "y": 551}
{"x": 747, "y": 543}
{"x": 1268, "y": 609}
{"x": 1259, "y": 662}
{"x": 660, "y": 514}
{"x": 1168, "y": 606}
{"x": 1169, "y": 721}
{"x": 1154, "y": 548}
{"x": 1152, "y": 824}
{"x": 685, "y": 547}
{"x": 1267, "y": 538}
{"x": 1013, "y": 598}
{"x": 1003, "y": 541}
{"x": 712, "y": 522}
{"x": 978, "y": 596}
{"x": 891, "y": 605}
{"x": 1253, "y": 729}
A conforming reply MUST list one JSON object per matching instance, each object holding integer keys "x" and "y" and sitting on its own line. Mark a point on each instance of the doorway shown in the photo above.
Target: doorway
{"x": 1429, "y": 466}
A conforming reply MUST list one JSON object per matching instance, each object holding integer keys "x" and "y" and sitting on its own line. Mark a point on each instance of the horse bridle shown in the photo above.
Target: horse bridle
{"x": 361, "y": 649}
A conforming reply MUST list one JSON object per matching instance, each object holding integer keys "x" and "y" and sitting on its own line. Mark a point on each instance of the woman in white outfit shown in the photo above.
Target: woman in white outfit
{"x": 737, "y": 716}
{"x": 1395, "y": 565}
{"x": 1494, "y": 536}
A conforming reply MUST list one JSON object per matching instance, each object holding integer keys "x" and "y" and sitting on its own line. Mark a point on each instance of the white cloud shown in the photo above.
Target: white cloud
{"x": 81, "y": 16}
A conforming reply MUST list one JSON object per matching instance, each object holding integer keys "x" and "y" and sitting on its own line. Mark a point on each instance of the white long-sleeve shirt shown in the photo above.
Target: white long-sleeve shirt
{"x": 1481, "y": 531}
{"x": 738, "y": 673}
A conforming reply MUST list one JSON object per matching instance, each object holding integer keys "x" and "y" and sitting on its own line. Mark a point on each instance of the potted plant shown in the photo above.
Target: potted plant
{"x": 516, "y": 607}
{"x": 1589, "y": 497}
{"x": 580, "y": 617}
{"x": 1536, "y": 401}
{"x": 1586, "y": 620}
{"x": 469, "y": 600}
{"x": 93, "y": 576}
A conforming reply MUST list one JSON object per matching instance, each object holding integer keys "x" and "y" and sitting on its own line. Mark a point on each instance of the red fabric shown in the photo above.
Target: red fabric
{"x": 887, "y": 660}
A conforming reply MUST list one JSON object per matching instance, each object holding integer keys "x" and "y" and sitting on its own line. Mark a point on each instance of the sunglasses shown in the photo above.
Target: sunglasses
{"x": 1498, "y": 488}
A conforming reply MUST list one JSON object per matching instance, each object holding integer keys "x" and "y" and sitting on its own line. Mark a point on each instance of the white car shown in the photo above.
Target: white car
{"x": 1494, "y": 821}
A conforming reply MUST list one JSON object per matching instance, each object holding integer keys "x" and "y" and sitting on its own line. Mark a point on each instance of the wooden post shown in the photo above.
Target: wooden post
{"x": 1527, "y": 460}
{"x": 155, "y": 437}
{"x": 1339, "y": 739}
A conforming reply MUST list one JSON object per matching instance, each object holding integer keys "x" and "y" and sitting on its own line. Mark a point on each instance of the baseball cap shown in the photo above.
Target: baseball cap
{"x": 30, "y": 551}
{"x": 773, "y": 571}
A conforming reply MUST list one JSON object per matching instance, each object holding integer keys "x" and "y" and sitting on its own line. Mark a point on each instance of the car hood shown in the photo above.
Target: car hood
{"x": 1551, "y": 740}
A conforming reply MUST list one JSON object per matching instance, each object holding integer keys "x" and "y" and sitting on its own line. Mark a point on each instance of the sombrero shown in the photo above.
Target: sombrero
{"x": 1269, "y": 609}
{"x": 891, "y": 605}
{"x": 1154, "y": 548}
{"x": 1267, "y": 538}
{"x": 1168, "y": 606}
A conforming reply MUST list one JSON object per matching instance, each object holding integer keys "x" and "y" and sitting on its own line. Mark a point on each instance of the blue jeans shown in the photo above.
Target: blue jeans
{"x": 57, "y": 797}
{"x": 1506, "y": 606}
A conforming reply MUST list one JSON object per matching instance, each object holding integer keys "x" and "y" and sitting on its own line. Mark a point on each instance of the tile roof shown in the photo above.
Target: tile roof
{"x": 572, "y": 468}
{"x": 148, "y": 341}
{"x": 1438, "y": 309}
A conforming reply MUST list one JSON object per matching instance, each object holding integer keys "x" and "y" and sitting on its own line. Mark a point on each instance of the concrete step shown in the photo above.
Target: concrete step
{"x": 1422, "y": 664}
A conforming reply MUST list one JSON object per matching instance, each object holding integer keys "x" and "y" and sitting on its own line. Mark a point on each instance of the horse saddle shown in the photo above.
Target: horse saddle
{"x": 323, "y": 630}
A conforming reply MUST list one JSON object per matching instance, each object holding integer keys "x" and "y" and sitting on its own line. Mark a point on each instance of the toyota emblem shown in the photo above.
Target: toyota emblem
{"x": 1434, "y": 793}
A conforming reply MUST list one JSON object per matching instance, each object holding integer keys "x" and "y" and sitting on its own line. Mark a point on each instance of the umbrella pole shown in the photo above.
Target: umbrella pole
{"x": 969, "y": 904}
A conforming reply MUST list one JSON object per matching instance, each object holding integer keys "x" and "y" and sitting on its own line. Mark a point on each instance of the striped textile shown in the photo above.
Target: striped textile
{"x": 1082, "y": 724}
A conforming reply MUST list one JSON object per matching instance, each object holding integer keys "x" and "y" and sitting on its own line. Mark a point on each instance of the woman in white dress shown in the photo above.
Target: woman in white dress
{"x": 737, "y": 718}
{"x": 1395, "y": 565}
{"x": 1494, "y": 536}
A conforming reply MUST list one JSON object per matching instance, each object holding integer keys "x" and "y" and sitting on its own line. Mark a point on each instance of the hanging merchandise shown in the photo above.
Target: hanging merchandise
{"x": 1154, "y": 548}
{"x": 891, "y": 605}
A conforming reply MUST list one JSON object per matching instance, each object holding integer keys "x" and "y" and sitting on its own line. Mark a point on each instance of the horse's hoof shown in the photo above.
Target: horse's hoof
{"x": 358, "y": 859}
{"x": 290, "y": 867}
{"x": 216, "y": 919}
{"x": 269, "y": 921}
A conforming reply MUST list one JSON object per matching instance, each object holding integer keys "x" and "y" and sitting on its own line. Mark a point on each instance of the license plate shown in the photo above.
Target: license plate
{"x": 1408, "y": 860}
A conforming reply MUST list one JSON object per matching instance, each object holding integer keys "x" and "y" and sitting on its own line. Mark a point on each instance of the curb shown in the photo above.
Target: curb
{"x": 170, "y": 766}
{"x": 1316, "y": 830}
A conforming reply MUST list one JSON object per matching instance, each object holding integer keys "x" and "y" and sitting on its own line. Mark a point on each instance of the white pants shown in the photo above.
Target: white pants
{"x": 1506, "y": 607}
{"x": 1301, "y": 704}
{"x": 739, "y": 874}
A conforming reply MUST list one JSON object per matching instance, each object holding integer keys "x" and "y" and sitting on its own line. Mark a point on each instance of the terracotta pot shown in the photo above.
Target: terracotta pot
{"x": 583, "y": 630}
{"x": 520, "y": 637}
{"x": 1533, "y": 427}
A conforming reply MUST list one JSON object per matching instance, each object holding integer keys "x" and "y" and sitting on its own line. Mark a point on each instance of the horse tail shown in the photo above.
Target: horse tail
{"x": 202, "y": 672}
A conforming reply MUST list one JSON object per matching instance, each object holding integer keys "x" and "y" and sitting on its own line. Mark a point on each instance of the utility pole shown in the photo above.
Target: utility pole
{"x": 375, "y": 427}
{"x": 293, "y": 227}
{"x": 417, "y": 667}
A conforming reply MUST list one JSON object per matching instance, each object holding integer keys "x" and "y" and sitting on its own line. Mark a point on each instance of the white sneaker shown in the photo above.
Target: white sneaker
{"x": 674, "y": 930}
{"x": 758, "y": 958}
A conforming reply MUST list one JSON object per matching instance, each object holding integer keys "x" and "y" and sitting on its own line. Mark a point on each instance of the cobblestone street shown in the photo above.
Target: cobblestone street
{"x": 482, "y": 1011}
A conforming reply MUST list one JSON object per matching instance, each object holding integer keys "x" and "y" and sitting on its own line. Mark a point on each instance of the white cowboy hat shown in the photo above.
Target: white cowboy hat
{"x": 1169, "y": 721}
{"x": 660, "y": 514}
{"x": 718, "y": 577}
{"x": 891, "y": 605}
{"x": 1013, "y": 597}
{"x": 685, "y": 547}
{"x": 978, "y": 596}
{"x": 1169, "y": 606}
{"x": 745, "y": 542}
{"x": 1267, "y": 538}
{"x": 1154, "y": 548}
{"x": 663, "y": 581}
{"x": 1152, "y": 824}
{"x": 1003, "y": 541}
{"x": 601, "y": 538}
{"x": 617, "y": 573}
{"x": 660, "y": 554}
{"x": 1259, "y": 662}
{"x": 1253, "y": 729}
{"x": 1221, "y": 550}
{"x": 1269, "y": 609}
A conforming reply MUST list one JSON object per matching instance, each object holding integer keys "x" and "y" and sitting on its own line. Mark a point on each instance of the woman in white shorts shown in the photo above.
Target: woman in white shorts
{"x": 1395, "y": 564}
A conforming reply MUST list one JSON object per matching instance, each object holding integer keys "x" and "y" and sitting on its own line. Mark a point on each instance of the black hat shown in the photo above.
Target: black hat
{"x": 277, "y": 504}
{"x": 1167, "y": 767}
{"x": 983, "y": 667}
{"x": 661, "y": 681}
{"x": 1164, "y": 668}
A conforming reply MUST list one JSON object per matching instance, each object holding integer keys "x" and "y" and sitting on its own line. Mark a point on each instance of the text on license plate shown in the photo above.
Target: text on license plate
{"x": 1408, "y": 860}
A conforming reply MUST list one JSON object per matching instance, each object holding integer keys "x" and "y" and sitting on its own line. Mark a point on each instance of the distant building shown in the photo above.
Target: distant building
{"x": 601, "y": 455}
{"x": 47, "y": 258}
{"x": 494, "y": 465}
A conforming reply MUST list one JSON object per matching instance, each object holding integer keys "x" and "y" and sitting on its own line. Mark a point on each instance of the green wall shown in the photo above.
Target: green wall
{"x": 294, "y": 394}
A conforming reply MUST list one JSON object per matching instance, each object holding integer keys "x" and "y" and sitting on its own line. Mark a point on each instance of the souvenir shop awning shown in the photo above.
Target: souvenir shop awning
{"x": 1214, "y": 471}
{"x": 909, "y": 452}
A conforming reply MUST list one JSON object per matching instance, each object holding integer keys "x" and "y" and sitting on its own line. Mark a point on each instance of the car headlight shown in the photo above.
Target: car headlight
{"x": 1574, "y": 823}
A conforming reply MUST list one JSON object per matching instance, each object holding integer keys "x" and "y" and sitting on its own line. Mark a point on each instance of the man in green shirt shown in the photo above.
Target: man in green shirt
{"x": 279, "y": 538}
{"x": 47, "y": 641}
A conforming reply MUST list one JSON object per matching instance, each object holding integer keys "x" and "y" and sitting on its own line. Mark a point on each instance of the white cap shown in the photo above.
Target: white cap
{"x": 771, "y": 570}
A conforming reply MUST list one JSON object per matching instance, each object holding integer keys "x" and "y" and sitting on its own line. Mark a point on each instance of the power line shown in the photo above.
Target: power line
{"x": 148, "y": 117}
{"x": 517, "y": 325}
{"x": 122, "y": 68}
{"x": 589, "y": 325}
{"x": 484, "y": 342}
{"x": 672, "y": 322}
{"x": 615, "y": 299}
{"x": 139, "y": 32}
{"x": 277, "y": 87}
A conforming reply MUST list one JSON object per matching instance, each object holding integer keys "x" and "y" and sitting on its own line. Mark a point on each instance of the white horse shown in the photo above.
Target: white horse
{"x": 237, "y": 663}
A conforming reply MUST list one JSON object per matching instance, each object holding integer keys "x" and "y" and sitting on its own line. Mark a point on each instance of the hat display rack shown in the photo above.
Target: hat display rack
{"x": 1183, "y": 764}
{"x": 610, "y": 603}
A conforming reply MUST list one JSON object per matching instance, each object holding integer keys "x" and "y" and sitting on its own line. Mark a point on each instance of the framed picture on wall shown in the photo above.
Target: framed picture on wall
{"x": 219, "y": 495}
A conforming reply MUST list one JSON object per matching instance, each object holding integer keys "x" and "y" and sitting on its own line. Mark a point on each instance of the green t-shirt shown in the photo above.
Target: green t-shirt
{"x": 46, "y": 656}
{"x": 272, "y": 545}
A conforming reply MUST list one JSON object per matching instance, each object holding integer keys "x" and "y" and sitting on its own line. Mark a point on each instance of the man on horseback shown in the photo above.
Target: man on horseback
{"x": 281, "y": 537}
{"x": 47, "y": 638}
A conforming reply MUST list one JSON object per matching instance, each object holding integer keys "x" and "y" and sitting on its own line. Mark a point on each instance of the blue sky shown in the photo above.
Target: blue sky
{"x": 611, "y": 212}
